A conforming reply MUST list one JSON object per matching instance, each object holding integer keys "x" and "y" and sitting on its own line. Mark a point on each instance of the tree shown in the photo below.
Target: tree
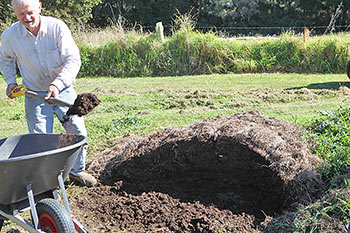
{"x": 248, "y": 13}
{"x": 6, "y": 14}
{"x": 73, "y": 12}
{"x": 244, "y": 8}
{"x": 144, "y": 12}
{"x": 291, "y": 13}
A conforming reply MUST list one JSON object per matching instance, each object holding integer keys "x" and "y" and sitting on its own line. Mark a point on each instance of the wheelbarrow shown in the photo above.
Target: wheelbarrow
{"x": 32, "y": 167}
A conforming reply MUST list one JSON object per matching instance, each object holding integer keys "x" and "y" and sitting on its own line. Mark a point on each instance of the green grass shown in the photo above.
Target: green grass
{"x": 139, "y": 106}
{"x": 144, "y": 105}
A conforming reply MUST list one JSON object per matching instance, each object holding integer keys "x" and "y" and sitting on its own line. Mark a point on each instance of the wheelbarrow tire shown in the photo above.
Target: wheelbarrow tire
{"x": 348, "y": 69}
{"x": 53, "y": 217}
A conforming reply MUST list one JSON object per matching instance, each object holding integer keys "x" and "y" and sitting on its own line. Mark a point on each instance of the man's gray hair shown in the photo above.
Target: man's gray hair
{"x": 24, "y": 2}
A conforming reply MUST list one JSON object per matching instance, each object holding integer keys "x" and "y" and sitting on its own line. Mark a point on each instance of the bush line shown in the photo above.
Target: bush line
{"x": 188, "y": 52}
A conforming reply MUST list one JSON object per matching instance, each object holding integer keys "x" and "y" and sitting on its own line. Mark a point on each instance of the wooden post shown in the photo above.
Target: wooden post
{"x": 306, "y": 33}
{"x": 160, "y": 31}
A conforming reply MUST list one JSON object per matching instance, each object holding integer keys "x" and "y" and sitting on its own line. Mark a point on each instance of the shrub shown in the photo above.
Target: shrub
{"x": 331, "y": 141}
{"x": 75, "y": 13}
{"x": 188, "y": 52}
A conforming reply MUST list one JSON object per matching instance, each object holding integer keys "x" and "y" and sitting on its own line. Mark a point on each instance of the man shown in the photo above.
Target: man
{"x": 49, "y": 61}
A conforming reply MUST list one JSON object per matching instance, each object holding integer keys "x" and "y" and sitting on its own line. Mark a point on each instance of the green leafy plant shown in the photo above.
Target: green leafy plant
{"x": 331, "y": 134}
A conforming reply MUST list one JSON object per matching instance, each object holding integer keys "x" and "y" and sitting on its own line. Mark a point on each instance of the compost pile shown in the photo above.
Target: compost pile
{"x": 83, "y": 104}
{"x": 229, "y": 174}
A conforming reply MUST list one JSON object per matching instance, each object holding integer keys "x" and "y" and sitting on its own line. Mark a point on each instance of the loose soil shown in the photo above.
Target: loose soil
{"x": 83, "y": 104}
{"x": 230, "y": 174}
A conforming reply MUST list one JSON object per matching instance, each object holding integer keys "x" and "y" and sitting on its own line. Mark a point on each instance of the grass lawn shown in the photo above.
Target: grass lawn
{"x": 143, "y": 105}
{"x": 140, "y": 106}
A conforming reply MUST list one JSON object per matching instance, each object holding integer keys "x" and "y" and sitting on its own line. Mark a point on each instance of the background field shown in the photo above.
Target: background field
{"x": 143, "y": 105}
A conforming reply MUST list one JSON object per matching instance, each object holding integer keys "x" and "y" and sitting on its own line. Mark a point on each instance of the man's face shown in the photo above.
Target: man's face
{"x": 28, "y": 15}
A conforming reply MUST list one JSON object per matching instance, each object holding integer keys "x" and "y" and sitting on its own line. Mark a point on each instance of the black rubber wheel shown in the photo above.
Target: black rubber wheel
{"x": 348, "y": 69}
{"x": 53, "y": 217}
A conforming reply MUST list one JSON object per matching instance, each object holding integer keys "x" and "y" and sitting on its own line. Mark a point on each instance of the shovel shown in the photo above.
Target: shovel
{"x": 22, "y": 90}
{"x": 83, "y": 104}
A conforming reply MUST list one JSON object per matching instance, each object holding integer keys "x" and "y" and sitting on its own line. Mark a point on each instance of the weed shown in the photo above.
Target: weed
{"x": 316, "y": 216}
{"x": 17, "y": 116}
{"x": 330, "y": 131}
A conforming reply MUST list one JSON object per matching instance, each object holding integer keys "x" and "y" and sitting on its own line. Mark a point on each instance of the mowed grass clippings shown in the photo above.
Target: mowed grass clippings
{"x": 142, "y": 105}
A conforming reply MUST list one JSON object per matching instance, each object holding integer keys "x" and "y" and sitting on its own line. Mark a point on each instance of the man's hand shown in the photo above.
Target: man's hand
{"x": 52, "y": 92}
{"x": 9, "y": 89}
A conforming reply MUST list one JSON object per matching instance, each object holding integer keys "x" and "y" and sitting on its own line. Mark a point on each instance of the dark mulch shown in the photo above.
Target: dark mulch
{"x": 230, "y": 174}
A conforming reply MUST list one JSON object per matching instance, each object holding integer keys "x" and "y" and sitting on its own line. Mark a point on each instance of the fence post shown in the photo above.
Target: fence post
{"x": 306, "y": 33}
{"x": 160, "y": 31}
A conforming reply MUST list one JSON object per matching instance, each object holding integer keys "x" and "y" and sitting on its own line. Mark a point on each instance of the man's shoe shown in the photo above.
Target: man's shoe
{"x": 83, "y": 178}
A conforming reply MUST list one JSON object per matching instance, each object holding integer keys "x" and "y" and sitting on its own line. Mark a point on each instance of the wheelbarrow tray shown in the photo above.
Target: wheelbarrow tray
{"x": 36, "y": 160}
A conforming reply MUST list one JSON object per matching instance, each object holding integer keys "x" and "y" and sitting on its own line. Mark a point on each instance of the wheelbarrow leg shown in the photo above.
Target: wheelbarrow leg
{"x": 32, "y": 207}
{"x": 63, "y": 191}
{"x": 78, "y": 226}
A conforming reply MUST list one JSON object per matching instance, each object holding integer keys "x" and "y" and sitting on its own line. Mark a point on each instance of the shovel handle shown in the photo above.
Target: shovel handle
{"x": 49, "y": 100}
{"x": 19, "y": 90}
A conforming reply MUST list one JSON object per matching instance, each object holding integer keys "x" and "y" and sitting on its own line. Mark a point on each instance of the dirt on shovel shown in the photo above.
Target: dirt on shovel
{"x": 83, "y": 104}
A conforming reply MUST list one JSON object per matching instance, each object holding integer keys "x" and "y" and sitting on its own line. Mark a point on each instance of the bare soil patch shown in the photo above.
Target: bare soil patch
{"x": 233, "y": 174}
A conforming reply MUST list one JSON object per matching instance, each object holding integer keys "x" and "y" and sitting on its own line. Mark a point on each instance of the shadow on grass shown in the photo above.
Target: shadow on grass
{"x": 326, "y": 85}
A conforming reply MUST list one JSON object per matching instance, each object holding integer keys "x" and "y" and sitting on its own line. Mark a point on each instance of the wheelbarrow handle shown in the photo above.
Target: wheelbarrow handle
{"x": 49, "y": 100}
